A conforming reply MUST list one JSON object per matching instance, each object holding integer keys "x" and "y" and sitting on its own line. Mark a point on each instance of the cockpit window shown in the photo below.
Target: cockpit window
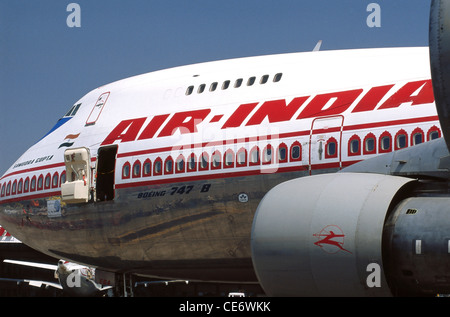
{"x": 73, "y": 110}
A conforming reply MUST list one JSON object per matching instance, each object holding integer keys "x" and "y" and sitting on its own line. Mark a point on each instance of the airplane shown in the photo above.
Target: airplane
{"x": 78, "y": 280}
{"x": 232, "y": 171}
{"x": 74, "y": 279}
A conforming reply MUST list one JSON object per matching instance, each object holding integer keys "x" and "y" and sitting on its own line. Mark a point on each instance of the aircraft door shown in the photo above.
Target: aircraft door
{"x": 106, "y": 166}
{"x": 325, "y": 143}
{"x": 77, "y": 187}
{"x": 97, "y": 109}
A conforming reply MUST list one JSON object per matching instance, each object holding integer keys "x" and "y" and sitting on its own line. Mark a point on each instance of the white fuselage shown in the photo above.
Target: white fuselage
{"x": 198, "y": 146}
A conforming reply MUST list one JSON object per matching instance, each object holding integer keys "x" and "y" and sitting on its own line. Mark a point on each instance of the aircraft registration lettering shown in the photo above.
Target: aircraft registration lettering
{"x": 178, "y": 190}
{"x": 416, "y": 93}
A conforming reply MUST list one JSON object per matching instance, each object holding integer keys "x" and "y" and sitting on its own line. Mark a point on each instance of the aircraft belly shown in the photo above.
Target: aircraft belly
{"x": 194, "y": 230}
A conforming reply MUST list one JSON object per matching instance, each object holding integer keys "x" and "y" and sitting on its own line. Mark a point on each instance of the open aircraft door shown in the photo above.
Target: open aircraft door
{"x": 77, "y": 187}
{"x": 105, "y": 173}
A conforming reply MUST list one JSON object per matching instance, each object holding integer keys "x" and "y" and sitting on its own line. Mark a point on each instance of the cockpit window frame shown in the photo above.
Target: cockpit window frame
{"x": 73, "y": 111}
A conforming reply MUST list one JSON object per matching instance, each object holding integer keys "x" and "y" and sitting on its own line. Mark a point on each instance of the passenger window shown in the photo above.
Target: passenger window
{"x": 354, "y": 146}
{"x": 137, "y": 169}
{"x": 264, "y": 79}
{"x": 242, "y": 158}
{"x": 385, "y": 143}
{"x": 225, "y": 84}
{"x": 254, "y": 156}
{"x": 33, "y": 184}
{"x": 267, "y": 155}
{"x": 26, "y": 186}
{"x": 229, "y": 158}
{"x": 331, "y": 148}
{"x": 282, "y": 153}
{"x": 433, "y": 135}
{"x": 55, "y": 180}
{"x": 370, "y": 144}
{"x": 203, "y": 164}
{"x": 215, "y": 160}
{"x": 238, "y": 83}
{"x": 47, "y": 181}
{"x": 168, "y": 166}
{"x": 180, "y": 164}
{"x": 189, "y": 90}
{"x": 213, "y": 86}
{"x": 192, "y": 164}
{"x": 147, "y": 168}
{"x": 277, "y": 77}
{"x": 401, "y": 141}
{"x": 157, "y": 169}
{"x": 295, "y": 152}
{"x": 40, "y": 184}
{"x": 125, "y": 171}
{"x": 201, "y": 88}
{"x": 251, "y": 81}
{"x": 20, "y": 186}
{"x": 417, "y": 138}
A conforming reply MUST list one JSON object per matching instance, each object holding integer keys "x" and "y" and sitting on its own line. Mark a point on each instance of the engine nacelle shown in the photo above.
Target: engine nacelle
{"x": 416, "y": 246}
{"x": 322, "y": 235}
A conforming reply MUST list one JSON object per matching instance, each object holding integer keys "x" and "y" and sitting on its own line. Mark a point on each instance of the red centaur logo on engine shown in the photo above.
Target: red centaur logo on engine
{"x": 331, "y": 239}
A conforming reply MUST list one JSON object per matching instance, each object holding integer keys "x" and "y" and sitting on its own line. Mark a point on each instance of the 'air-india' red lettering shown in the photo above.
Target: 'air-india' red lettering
{"x": 372, "y": 98}
{"x": 340, "y": 101}
{"x": 239, "y": 115}
{"x": 186, "y": 122}
{"x": 276, "y": 111}
{"x": 405, "y": 94}
{"x": 417, "y": 92}
{"x": 125, "y": 131}
{"x": 154, "y": 125}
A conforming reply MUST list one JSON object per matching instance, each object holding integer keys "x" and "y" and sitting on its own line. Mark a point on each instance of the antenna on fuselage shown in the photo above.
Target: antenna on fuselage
{"x": 317, "y": 47}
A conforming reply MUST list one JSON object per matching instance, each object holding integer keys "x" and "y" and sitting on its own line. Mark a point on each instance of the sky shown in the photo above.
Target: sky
{"x": 51, "y": 54}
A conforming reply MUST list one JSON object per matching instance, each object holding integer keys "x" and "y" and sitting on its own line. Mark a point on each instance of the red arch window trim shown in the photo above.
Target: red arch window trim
{"x": 417, "y": 131}
{"x": 126, "y": 170}
{"x": 400, "y": 133}
{"x": 431, "y": 130}
{"x": 158, "y": 167}
{"x": 180, "y": 164}
{"x": 329, "y": 151}
{"x": 293, "y": 157}
{"x": 146, "y": 173}
{"x": 383, "y": 146}
{"x": 216, "y": 160}
{"x": 242, "y": 153}
{"x": 351, "y": 151}
{"x": 191, "y": 163}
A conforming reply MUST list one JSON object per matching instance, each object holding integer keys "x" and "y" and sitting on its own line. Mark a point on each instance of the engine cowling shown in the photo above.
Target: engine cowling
{"x": 316, "y": 236}
{"x": 352, "y": 234}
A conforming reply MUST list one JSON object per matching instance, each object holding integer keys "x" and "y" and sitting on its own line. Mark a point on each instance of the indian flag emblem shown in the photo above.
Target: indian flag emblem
{"x": 69, "y": 140}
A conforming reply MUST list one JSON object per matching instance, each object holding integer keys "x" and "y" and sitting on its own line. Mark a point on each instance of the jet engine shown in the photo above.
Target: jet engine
{"x": 351, "y": 234}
